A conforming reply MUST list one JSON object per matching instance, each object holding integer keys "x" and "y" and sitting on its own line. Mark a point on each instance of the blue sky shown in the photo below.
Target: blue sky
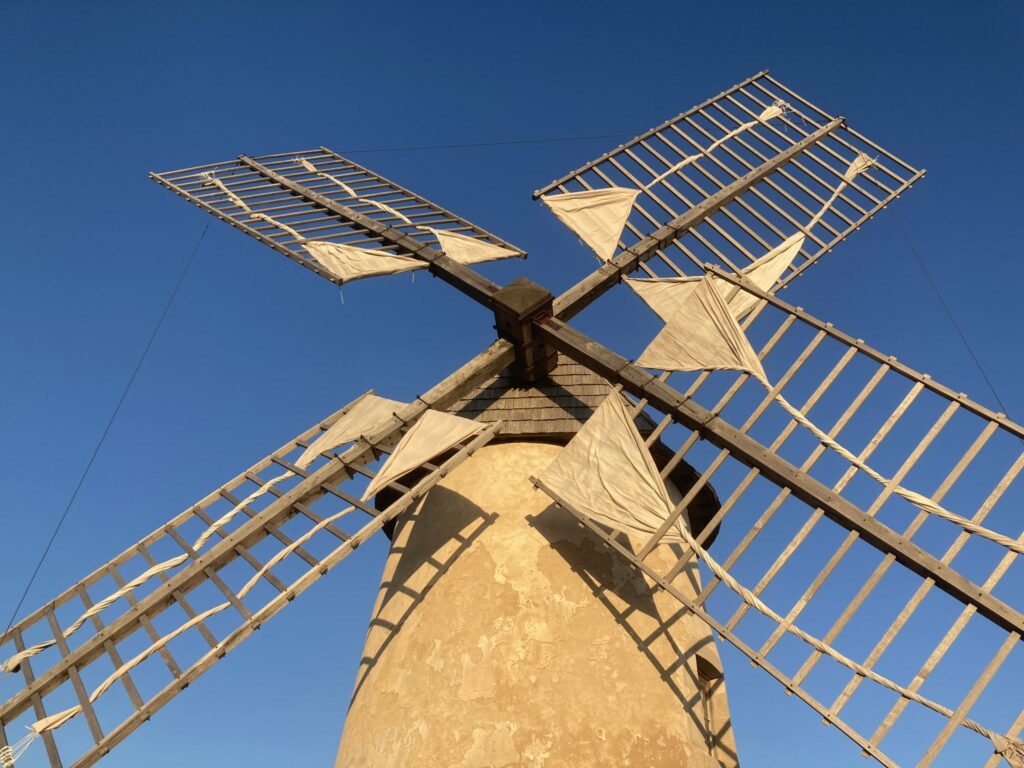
{"x": 255, "y": 349}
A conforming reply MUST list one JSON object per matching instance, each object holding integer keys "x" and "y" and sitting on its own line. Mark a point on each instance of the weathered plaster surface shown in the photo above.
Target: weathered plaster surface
{"x": 506, "y": 635}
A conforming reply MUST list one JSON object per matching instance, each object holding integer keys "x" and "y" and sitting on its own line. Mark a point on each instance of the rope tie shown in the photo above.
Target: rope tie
{"x": 209, "y": 180}
{"x": 1010, "y": 748}
{"x": 920, "y": 501}
{"x": 777, "y": 109}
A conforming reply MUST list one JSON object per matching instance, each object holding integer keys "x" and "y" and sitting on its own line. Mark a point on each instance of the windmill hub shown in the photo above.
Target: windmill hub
{"x": 517, "y": 307}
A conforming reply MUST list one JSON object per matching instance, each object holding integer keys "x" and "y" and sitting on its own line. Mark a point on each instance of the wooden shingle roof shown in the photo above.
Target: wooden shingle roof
{"x": 550, "y": 409}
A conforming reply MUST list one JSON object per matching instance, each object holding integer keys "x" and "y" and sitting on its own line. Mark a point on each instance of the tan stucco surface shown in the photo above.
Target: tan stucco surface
{"x": 507, "y": 635}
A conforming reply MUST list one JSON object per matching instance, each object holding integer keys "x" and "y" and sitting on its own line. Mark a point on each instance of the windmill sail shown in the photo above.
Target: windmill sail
{"x": 588, "y": 479}
{"x": 317, "y": 196}
{"x": 195, "y": 601}
{"x": 896, "y": 596}
{"x": 731, "y": 179}
{"x": 607, "y": 471}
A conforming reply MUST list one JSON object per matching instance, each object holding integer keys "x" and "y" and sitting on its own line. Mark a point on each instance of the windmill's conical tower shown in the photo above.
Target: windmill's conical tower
{"x": 506, "y": 634}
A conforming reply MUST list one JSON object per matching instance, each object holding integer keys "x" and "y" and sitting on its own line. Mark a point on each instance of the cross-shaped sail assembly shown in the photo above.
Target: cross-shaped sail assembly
{"x": 716, "y": 209}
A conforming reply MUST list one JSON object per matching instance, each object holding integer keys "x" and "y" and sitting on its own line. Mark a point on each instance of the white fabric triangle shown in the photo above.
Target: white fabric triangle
{"x": 607, "y": 473}
{"x": 666, "y": 294}
{"x": 702, "y": 335}
{"x": 596, "y": 215}
{"x": 763, "y": 273}
{"x": 434, "y": 433}
{"x": 346, "y": 262}
{"x": 469, "y": 250}
{"x": 367, "y": 413}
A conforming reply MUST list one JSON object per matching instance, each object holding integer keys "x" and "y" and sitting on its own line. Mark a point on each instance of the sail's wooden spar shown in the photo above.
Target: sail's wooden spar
{"x": 292, "y": 512}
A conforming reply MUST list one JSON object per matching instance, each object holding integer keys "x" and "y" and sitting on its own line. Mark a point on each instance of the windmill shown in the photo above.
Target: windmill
{"x": 552, "y": 594}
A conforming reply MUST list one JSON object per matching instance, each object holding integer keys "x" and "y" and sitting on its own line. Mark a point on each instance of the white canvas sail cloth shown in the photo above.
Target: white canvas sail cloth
{"x": 433, "y": 434}
{"x": 702, "y": 335}
{"x": 365, "y": 416}
{"x": 347, "y": 263}
{"x": 597, "y": 216}
{"x": 664, "y": 295}
{"x": 607, "y": 473}
{"x": 468, "y": 250}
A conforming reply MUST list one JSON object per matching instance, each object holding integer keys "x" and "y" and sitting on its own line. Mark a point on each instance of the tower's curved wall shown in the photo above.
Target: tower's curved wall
{"x": 505, "y": 634}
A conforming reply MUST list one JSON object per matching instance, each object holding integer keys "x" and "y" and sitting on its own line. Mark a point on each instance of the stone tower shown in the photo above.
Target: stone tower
{"x": 506, "y": 634}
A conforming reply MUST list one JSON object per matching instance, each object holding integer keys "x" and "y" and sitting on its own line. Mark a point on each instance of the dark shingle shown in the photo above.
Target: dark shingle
{"x": 553, "y": 408}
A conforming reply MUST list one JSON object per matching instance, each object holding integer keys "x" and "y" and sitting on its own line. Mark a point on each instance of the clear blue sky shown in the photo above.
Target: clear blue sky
{"x": 255, "y": 349}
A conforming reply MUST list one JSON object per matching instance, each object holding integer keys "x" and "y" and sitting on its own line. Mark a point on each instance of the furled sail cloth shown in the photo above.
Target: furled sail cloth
{"x": 607, "y": 473}
{"x": 468, "y": 250}
{"x": 702, "y": 335}
{"x": 363, "y": 417}
{"x": 434, "y": 433}
{"x": 305, "y": 163}
{"x": 365, "y": 414}
{"x": 777, "y": 109}
{"x": 664, "y": 295}
{"x": 346, "y": 262}
{"x": 859, "y": 164}
{"x": 597, "y": 216}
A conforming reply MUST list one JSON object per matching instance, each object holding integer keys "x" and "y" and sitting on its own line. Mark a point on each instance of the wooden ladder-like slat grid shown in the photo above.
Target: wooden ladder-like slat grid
{"x": 830, "y": 581}
{"x": 370, "y": 226}
{"x": 56, "y": 678}
{"x": 746, "y": 227}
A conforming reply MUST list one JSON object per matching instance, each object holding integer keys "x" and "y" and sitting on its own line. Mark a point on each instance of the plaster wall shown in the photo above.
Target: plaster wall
{"x": 505, "y": 634}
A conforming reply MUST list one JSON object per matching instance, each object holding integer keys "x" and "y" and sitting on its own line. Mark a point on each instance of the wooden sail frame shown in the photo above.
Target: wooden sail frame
{"x": 382, "y": 216}
{"x": 808, "y": 150}
{"x": 54, "y": 678}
